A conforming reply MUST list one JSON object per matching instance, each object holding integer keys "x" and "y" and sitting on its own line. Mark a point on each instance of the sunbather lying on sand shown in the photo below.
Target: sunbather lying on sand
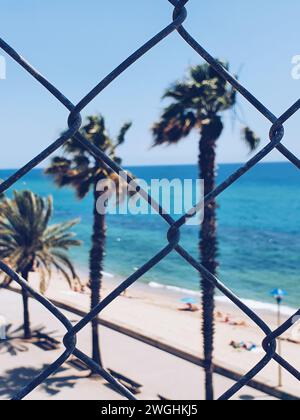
{"x": 249, "y": 346}
{"x": 226, "y": 319}
{"x": 189, "y": 307}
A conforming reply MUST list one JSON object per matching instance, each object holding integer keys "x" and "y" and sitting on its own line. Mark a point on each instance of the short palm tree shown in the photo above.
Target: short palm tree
{"x": 79, "y": 169}
{"x": 28, "y": 244}
{"x": 199, "y": 102}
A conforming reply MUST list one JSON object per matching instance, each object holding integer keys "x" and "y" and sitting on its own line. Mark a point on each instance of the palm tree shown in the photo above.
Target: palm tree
{"x": 28, "y": 244}
{"x": 79, "y": 169}
{"x": 199, "y": 102}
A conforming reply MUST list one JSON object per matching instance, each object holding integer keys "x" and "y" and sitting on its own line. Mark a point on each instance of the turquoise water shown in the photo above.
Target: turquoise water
{"x": 259, "y": 231}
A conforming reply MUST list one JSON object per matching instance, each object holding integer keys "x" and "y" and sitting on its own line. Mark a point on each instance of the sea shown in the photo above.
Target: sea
{"x": 258, "y": 233}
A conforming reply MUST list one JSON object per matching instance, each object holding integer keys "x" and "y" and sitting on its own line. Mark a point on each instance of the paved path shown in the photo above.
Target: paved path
{"x": 159, "y": 372}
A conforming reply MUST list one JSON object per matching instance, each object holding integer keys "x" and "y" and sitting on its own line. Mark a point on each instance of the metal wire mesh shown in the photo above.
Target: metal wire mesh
{"x": 173, "y": 237}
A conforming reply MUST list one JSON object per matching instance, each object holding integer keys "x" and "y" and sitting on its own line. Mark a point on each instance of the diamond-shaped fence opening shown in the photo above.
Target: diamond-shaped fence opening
{"x": 173, "y": 238}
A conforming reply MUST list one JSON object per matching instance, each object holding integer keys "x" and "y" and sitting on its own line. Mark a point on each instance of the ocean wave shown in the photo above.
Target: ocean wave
{"x": 252, "y": 304}
{"x": 84, "y": 273}
{"x": 109, "y": 275}
{"x": 177, "y": 289}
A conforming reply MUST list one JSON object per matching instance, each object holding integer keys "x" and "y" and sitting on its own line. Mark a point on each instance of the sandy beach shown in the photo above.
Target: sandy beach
{"x": 120, "y": 352}
{"x": 154, "y": 313}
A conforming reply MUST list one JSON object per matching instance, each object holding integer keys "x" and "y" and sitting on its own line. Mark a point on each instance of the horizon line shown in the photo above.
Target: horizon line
{"x": 166, "y": 164}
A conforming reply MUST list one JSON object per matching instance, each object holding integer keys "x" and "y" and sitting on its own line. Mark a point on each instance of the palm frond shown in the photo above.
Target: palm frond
{"x": 27, "y": 240}
{"x": 198, "y": 101}
{"x": 78, "y": 168}
{"x": 250, "y": 138}
{"x": 122, "y": 134}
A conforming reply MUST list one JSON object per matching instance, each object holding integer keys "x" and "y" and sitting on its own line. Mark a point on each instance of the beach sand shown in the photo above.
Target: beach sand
{"x": 154, "y": 312}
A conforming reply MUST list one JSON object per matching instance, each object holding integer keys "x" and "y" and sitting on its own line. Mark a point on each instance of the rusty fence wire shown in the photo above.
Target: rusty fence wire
{"x": 180, "y": 14}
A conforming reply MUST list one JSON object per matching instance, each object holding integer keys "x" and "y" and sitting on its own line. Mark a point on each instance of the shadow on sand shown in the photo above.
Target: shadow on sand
{"x": 15, "y": 379}
{"x": 12, "y": 380}
{"x": 15, "y": 343}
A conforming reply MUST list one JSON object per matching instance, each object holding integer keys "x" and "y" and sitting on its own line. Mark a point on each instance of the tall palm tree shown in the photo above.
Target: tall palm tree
{"x": 28, "y": 244}
{"x": 199, "y": 102}
{"x": 80, "y": 170}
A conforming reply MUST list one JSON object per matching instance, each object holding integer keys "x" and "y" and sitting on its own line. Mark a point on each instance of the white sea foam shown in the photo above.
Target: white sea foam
{"x": 84, "y": 274}
{"x": 155, "y": 285}
{"x": 109, "y": 275}
{"x": 176, "y": 289}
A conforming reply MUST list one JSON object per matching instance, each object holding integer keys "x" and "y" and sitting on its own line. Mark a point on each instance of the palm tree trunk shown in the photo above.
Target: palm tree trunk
{"x": 208, "y": 252}
{"x": 25, "y": 297}
{"x": 96, "y": 269}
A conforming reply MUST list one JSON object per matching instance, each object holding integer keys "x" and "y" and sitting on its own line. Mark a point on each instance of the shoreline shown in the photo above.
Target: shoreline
{"x": 264, "y": 309}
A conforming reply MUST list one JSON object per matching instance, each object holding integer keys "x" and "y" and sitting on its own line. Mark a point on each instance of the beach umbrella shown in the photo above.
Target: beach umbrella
{"x": 189, "y": 300}
{"x": 278, "y": 295}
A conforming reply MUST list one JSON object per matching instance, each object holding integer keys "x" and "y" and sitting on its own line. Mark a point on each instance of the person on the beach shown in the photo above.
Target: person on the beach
{"x": 189, "y": 307}
{"x": 249, "y": 346}
{"x": 226, "y": 319}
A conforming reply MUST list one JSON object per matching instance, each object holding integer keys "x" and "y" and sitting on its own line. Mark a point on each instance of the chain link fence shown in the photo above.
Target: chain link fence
{"x": 180, "y": 14}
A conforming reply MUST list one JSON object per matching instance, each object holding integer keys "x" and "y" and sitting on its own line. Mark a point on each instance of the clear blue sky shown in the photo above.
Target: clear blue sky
{"x": 75, "y": 43}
